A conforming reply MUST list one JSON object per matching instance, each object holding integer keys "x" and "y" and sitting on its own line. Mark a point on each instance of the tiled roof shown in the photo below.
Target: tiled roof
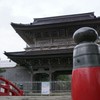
{"x": 39, "y": 53}
{"x": 65, "y": 18}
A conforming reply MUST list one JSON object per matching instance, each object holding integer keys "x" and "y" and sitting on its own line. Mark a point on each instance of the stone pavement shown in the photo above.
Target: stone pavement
{"x": 67, "y": 97}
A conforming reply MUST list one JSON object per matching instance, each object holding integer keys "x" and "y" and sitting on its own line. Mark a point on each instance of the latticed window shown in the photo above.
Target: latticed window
{"x": 66, "y": 60}
{"x": 54, "y": 61}
{"x": 46, "y": 34}
{"x": 54, "y": 33}
{"x": 62, "y": 32}
{"x": 35, "y": 62}
{"x": 44, "y": 61}
{"x": 38, "y": 35}
{"x": 63, "y": 60}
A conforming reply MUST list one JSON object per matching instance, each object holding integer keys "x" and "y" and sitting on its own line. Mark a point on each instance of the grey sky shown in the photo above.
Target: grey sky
{"x": 23, "y": 11}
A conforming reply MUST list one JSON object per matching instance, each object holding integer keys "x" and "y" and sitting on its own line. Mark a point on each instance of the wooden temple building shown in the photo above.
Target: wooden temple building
{"x": 49, "y": 50}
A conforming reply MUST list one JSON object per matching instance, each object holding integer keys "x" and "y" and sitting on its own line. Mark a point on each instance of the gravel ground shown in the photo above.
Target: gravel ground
{"x": 68, "y": 97}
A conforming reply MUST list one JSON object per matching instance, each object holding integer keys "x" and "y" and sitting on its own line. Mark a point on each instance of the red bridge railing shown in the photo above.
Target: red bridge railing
{"x": 9, "y": 89}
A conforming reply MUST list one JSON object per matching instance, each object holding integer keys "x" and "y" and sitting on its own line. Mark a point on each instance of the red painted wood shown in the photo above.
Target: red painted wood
{"x": 14, "y": 91}
{"x": 86, "y": 83}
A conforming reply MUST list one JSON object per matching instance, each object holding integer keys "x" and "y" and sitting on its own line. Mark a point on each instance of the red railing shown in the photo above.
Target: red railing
{"x": 9, "y": 89}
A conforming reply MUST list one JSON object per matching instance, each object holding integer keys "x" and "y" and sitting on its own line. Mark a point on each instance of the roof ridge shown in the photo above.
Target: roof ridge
{"x": 90, "y": 15}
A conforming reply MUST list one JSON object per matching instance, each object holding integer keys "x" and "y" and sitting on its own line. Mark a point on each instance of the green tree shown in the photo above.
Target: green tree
{"x": 2, "y": 70}
{"x": 63, "y": 78}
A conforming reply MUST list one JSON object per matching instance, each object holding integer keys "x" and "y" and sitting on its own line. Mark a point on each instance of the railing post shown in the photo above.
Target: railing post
{"x": 86, "y": 65}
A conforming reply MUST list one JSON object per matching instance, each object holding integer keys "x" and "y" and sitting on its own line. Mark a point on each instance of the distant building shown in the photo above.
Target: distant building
{"x": 49, "y": 46}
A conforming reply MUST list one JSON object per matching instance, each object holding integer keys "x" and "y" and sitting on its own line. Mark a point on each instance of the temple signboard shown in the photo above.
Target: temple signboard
{"x": 45, "y": 88}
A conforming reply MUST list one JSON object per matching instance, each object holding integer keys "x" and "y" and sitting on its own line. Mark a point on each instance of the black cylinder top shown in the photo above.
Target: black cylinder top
{"x": 86, "y": 52}
{"x": 85, "y": 34}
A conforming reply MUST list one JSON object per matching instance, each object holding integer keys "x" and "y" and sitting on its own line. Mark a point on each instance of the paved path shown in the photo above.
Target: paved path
{"x": 68, "y": 97}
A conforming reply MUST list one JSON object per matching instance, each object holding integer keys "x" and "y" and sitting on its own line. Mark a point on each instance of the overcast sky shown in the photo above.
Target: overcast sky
{"x": 23, "y": 11}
